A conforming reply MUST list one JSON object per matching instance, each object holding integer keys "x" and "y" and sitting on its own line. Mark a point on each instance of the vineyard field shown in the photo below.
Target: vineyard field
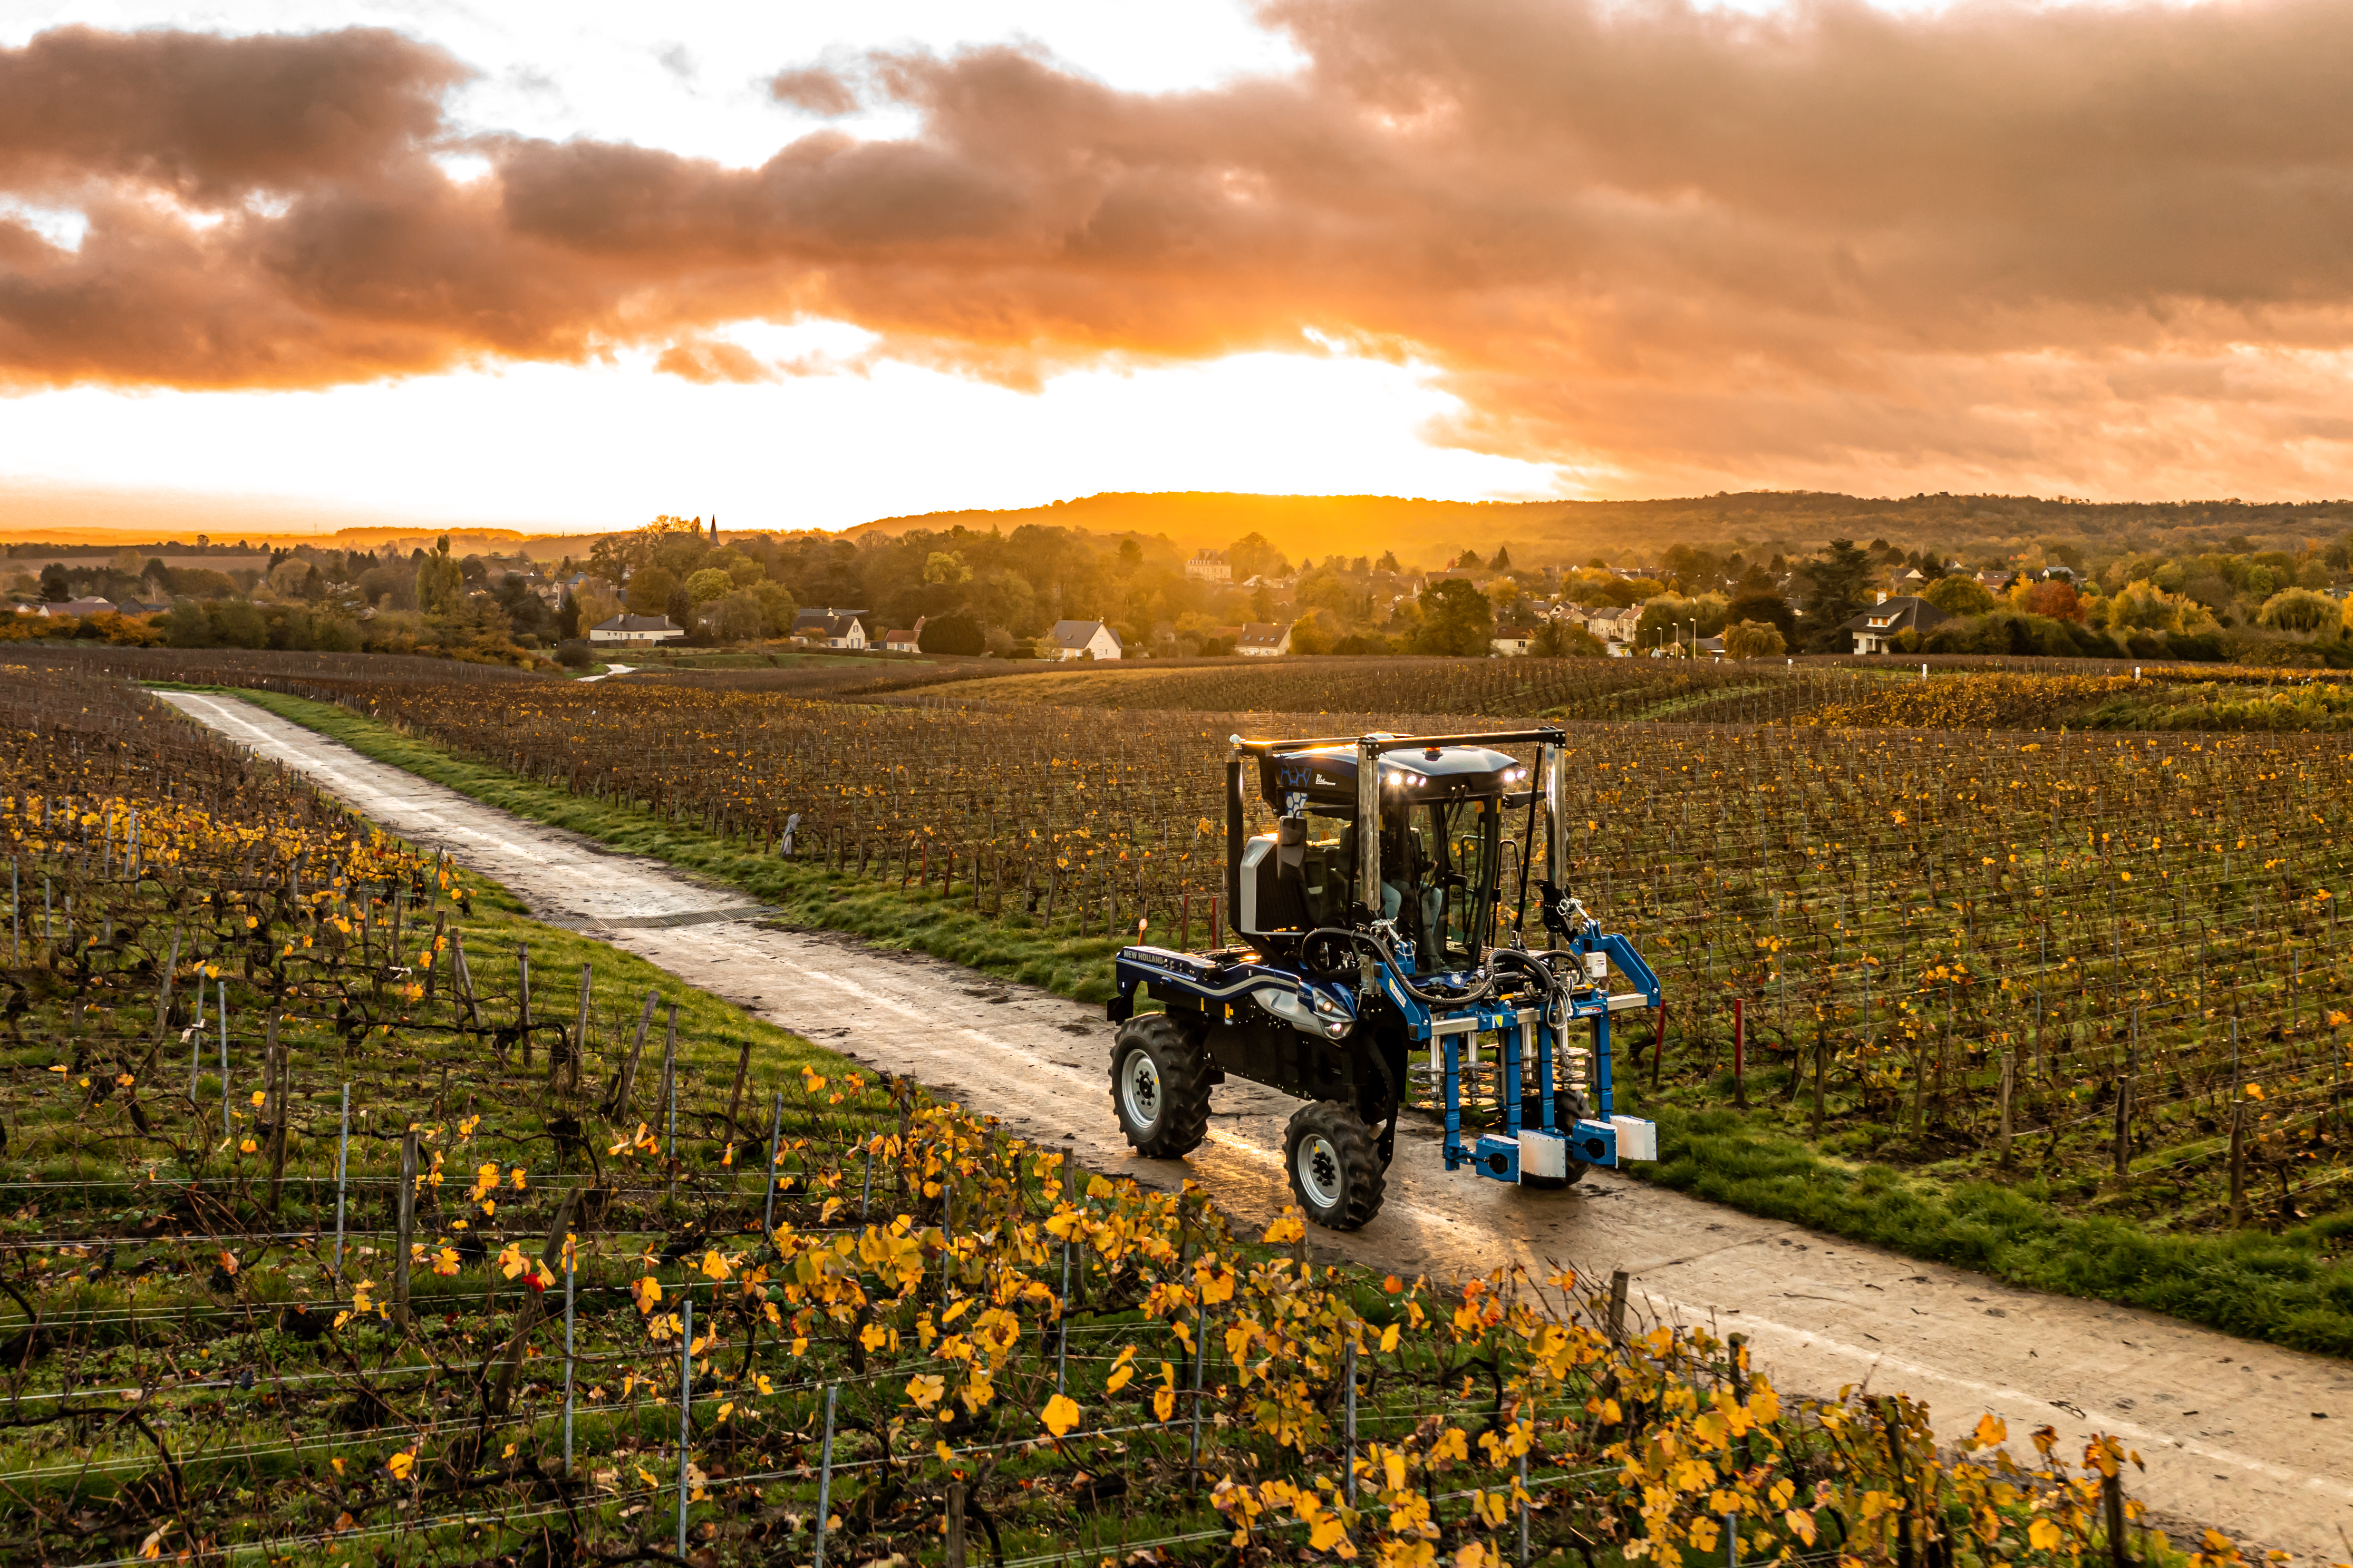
{"x": 2107, "y": 969}
{"x": 454, "y": 1246}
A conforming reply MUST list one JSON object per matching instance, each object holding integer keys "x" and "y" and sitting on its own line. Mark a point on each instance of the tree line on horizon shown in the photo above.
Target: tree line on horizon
{"x": 976, "y": 591}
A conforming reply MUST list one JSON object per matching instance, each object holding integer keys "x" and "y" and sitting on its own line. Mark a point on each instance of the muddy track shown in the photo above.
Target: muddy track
{"x": 2246, "y": 1438}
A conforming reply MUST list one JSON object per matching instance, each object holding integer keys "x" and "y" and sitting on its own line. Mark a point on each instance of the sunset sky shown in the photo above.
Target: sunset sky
{"x": 568, "y": 265}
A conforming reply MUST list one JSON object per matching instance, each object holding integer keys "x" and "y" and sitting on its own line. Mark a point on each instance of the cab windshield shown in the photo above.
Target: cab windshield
{"x": 1439, "y": 863}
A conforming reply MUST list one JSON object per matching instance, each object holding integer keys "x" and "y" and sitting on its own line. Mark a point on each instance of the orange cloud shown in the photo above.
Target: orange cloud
{"x": 2100, "y": 248}
{"x": 709, "y": 360}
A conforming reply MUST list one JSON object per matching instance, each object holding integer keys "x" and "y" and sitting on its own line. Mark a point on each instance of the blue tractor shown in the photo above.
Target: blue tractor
{"x": 1372, "y": 958}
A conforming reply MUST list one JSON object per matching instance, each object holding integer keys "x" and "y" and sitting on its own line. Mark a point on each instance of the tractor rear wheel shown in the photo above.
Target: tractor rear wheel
{"x": 1160, "y": 1087}
{"x": 1334, "y": 1168}
{"x": 1568, "y": 1110}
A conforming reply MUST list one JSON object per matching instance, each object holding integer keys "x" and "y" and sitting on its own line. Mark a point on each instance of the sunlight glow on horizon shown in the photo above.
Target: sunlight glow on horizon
{"x": 609, "y": 445}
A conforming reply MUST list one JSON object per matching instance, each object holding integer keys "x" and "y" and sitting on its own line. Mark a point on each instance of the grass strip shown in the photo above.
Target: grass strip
{"x": 2286, "y": 1288}
{"x": 2283, "y": 1288}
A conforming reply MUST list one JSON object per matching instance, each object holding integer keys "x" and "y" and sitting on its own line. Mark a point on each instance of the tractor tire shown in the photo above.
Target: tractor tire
{"x": 1335, "y": 1170}
{"x": 1159, "y": 1087}
{"x": 1567, "y": 1107}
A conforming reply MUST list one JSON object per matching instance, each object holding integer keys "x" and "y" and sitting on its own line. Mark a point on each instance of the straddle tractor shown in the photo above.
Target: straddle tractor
{"x": 1372, "y": 967}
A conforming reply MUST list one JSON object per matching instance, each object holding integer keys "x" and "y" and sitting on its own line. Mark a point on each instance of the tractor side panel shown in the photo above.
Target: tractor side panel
{"x": 1283, "y": 1059}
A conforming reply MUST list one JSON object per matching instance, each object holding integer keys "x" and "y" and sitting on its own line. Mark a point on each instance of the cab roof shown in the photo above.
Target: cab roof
{"x": 1326, "y": 775}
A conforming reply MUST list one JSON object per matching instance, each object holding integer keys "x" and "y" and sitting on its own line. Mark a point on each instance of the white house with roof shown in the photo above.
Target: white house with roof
{"x": 1876, "y": 629}
{"x": 832, "y": 628}
{"x": 1082, "y": 640}
{"x": 1613, "y": 625}
{"x": 1263, "y": 639}
{"x": 635, "y": 631}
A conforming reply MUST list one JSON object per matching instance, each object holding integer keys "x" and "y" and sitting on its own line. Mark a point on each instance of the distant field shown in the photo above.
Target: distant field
{"x": 1953, "y": 694}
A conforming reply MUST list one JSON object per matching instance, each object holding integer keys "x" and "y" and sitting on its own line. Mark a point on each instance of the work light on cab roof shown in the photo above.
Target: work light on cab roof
{"x": 1373, "y": 959}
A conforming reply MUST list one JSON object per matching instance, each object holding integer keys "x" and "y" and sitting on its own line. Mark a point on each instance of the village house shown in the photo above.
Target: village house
{"x": 1082, "y": 640}
{"x": 634, "y": 631}
{"x": 1263, "y": 639}
{"x": 1615, "y": 627}
{"x": 832, "y": 628}
{"x": 1876, "y": 629}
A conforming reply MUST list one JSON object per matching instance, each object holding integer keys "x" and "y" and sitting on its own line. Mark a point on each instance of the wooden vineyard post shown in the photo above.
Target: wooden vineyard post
{"x": 2008, "y": 1089}
{"x": 2238, "y": 1163}
{"x": 163, "y": 994}
{"x": 2123, "y": 1116}
{"x": 1659, "y": 1045}
{"x": 523, "y": 999}
{"x": 404, "y": 1226}
{"x": 1217, "y": 931}
{"x": 1184, "y": 926}
{"x": 625, "y": 1081}
{"x": 668, "y": 1105}
{"x": 433, "y": 953}
{"x": 1739, "y": 1052}
{"x": 577, "y": 1051}
{"x": 1618, "y": 1279}
{"x": 461, "y": 979}
{"x": 277, "y": 1076}
{"x": 2111, "y": 1508}
{"x": 1821, "y": 1071}
{"x": 735, "y": 1094}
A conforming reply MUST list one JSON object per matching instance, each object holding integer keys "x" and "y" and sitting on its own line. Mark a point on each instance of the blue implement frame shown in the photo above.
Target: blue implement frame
{"x": 1211, "y": 982}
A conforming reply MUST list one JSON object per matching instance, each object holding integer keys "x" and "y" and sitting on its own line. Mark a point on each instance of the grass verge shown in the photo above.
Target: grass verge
{"x": 2283, "y": 1288}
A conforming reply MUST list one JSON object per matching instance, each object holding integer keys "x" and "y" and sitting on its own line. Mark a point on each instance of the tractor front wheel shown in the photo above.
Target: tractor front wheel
{"x": 1335, "y": 1169}
{"x": 1159, "y": 1087}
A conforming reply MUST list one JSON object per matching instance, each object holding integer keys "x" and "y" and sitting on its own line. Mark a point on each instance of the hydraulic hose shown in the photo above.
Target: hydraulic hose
{"x": 1485, "y": 988}
{"x": 1555, "y": 992}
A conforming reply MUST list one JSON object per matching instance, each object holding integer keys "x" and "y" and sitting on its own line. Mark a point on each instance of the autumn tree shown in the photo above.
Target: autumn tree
{"x": 650, "y": 591}
{"x": 440, "y": 581}
{"x": 1455, "y": 619}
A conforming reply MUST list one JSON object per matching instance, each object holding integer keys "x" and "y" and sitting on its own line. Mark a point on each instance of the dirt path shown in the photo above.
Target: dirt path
{"x": 2252, "y": 1439}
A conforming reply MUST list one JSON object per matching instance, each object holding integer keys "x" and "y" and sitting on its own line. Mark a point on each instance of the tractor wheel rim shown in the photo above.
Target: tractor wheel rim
{"x": 1319, "y": 1171}
{"x": 1139, "y": 1089}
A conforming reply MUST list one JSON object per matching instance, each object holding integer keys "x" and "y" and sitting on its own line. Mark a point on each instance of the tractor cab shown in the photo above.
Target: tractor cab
{"x": 1381, "y": 949}
{"x": 1442, "y": 848}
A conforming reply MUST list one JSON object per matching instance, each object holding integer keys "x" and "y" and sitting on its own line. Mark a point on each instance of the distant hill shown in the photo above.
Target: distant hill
{"x": 1423, "y": 533}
